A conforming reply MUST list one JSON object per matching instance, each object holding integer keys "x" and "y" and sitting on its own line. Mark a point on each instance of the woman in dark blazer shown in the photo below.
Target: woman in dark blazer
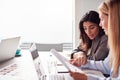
{"x": 93, "y": 41}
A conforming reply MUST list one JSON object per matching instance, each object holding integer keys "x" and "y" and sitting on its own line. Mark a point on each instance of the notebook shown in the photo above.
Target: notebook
{"x": 8, "y": 48}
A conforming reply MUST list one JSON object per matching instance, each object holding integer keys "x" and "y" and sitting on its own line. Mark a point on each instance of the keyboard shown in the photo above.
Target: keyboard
{"x": 56, "y": 77}
{"x": 9, "y": 70}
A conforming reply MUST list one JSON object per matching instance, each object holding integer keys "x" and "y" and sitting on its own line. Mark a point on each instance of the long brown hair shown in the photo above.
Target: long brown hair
{"x": 91, "y": 16}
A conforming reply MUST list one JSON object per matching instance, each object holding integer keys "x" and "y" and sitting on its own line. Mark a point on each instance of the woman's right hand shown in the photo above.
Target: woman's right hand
{"x": 79, "y": 59}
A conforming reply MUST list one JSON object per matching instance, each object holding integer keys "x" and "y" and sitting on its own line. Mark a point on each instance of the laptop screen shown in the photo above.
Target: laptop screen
{"x": 8, "y": 48}
{"x": 36, "y": 60}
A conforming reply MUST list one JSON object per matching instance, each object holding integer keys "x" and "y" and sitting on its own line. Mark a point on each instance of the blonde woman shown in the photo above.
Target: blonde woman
{"x": 110, "y": 21}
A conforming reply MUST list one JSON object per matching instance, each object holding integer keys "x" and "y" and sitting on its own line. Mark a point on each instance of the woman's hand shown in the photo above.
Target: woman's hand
{"x": 79, "y": 59}
{"x": 78, "y": 76}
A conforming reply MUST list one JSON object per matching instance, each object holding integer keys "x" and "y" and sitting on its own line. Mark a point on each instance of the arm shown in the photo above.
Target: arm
{"x": 83, "y": 76}
{"x": 102, "y": 66}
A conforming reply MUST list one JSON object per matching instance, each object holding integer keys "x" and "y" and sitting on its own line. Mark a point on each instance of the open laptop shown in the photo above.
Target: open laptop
{"x": 8, "y": 48}
{"x": 36, "y": 60}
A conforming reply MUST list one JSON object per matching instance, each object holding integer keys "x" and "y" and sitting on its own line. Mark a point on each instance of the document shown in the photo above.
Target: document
{"x": 71, "y": 67}
{"x": 65, "y": 62}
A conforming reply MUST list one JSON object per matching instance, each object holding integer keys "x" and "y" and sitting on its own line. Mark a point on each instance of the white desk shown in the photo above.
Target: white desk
{"x": 44, "y": 57}
{"x": 25, "y": 68}
{"x": 60, "y": 76}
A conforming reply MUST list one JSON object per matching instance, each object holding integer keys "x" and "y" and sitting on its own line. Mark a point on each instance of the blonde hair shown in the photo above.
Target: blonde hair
{"x": 112, "y": 9}
{"x": 114, "y": 35}
{"x": 103, "y": 8}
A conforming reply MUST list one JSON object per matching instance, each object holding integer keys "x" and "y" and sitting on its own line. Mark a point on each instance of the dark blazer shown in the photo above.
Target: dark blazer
{"x": 99, "y": 49}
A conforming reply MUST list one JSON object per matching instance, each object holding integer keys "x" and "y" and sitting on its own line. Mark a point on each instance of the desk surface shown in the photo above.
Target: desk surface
{"x": 25, "y": 68}
{"x": 44, "y": 58}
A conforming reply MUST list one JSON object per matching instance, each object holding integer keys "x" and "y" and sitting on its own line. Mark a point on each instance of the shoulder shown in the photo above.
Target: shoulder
{"x": 104, "y": 38}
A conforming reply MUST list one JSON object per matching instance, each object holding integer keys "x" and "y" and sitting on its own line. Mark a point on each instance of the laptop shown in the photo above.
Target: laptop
{"x": 8, "y": 48}
{"x": 36, "y": 60}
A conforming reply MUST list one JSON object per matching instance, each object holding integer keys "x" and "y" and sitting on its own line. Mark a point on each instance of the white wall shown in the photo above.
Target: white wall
{"x": 41, "y": 21}
{"x": 81, "y": 7}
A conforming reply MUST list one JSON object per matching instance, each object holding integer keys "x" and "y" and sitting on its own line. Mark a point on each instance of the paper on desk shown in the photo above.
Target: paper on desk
{"x": 71, "y": 67}
{"x": 65, "y": 62}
